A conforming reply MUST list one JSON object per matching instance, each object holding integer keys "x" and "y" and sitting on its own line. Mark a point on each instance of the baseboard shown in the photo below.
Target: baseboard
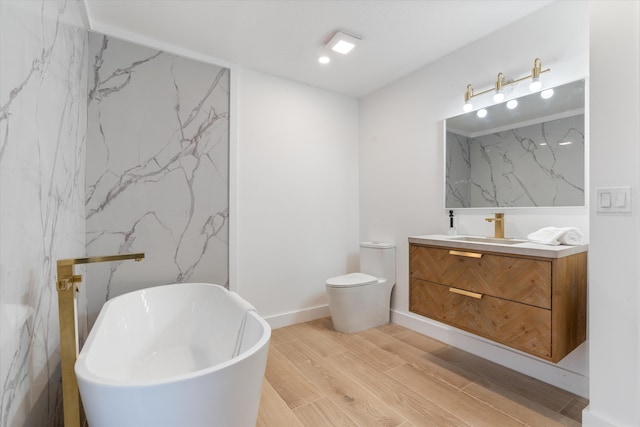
{"x": 292, "y": 317}
{"x": 589, "y": 419}
{"x": 575, "y": 382}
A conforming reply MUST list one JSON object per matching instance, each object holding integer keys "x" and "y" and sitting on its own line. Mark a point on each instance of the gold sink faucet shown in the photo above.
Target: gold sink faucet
{"x": 498, "y": 220}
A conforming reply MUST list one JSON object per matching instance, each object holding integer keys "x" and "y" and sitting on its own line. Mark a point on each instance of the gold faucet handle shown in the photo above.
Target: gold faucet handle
{"x": 66, "y": 283}
{"x": 497, "y": 217}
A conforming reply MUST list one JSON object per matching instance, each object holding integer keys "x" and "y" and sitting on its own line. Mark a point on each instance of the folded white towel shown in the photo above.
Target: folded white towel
{"x": 557, "y": 236}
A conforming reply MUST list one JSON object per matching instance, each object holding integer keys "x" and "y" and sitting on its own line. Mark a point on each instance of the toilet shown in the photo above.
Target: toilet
{"x": 359, "y": 301}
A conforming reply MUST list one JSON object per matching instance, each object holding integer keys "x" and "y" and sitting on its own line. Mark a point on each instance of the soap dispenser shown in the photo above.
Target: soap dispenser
{"x": 452, "y": 224}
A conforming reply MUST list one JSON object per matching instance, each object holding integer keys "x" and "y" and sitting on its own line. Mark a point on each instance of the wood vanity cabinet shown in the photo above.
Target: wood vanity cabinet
{"x": 535, "y": 304}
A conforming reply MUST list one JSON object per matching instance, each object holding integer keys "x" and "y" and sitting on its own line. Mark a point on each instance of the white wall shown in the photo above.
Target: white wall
{"x": 297, "y": 195}
{"x": 614, "y": 272}
{"x": 293, "y": 207}
{"x": 401, "y": 159}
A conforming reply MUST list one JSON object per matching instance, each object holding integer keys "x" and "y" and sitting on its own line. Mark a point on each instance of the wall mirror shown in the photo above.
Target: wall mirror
{"x": 531, "y": 155}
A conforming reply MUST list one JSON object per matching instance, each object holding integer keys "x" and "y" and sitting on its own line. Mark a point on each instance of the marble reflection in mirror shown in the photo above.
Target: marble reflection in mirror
{"x": 530, "y": 156}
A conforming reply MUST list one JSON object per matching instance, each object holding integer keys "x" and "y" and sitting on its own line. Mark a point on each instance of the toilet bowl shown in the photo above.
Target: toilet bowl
{"x": 359, "y": 301}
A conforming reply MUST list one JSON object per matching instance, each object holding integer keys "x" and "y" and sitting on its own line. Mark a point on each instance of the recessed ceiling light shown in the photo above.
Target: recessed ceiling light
{"x": 512, "y": 104}
{"x": 342, "y": 42}
{"x": 482, "y": 113}
{"x": 324, "y": 59}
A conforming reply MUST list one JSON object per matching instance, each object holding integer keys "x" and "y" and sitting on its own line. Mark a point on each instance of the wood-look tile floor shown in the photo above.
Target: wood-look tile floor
{"x": 392, "y": 376}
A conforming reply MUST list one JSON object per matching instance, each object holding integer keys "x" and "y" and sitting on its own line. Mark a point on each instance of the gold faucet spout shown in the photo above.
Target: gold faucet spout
{"x": 498, "y": 220}
{"x": 107, "y": 258}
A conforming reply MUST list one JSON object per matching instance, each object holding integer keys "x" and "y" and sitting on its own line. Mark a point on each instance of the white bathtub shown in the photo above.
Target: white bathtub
{"x": 185, "y": 355}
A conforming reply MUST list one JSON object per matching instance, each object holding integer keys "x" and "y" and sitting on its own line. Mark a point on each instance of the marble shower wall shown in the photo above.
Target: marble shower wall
{"x": 43, "y": 111}
{"x": 536, "y": 165}
{"x": 157, "y": 169}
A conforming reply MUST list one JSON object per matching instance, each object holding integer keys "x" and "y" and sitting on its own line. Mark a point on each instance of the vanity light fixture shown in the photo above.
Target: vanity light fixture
{"x": 468, "y": 106}
{"x": 536, "y": 84}
{"x": 546, "y": 94}
{"x": 342, "y": 42}
{"x": 498, "y": 96}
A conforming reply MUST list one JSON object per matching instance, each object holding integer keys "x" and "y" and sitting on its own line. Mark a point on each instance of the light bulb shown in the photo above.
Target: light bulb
{"x": 467, "y": 107}
{"x": 512, "y": 104}
{"x": 535, "y": 84}
{"x": 324, "y": 60}
{"x": 499, "y": 96}
{"x": 482, "y": 113}
{"x": 546, "y": 94}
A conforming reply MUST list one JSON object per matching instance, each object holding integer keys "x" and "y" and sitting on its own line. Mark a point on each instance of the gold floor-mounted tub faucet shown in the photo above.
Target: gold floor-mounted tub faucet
{"x": 67, "y": 285}
{"x": 498, "y": 220}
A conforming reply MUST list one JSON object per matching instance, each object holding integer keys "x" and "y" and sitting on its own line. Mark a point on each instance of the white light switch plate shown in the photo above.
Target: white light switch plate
{"x": 613, "y": 199}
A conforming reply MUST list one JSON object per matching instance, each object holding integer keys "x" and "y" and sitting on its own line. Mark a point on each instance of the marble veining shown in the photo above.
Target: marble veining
{"x": 42, "y": 133}
{"x": 157, "y": 168}
{"x": 533, "y": 165}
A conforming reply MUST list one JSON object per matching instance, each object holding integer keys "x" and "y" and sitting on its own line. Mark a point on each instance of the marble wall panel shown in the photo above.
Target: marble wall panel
{"x": 458, "y": 170}
{"x": 157, "y": 168}
{"x": 43, "y": 110}
{"x": 536, "y": 165}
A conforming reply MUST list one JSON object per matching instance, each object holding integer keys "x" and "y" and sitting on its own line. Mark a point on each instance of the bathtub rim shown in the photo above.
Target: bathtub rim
{"x": 85, "y": 374}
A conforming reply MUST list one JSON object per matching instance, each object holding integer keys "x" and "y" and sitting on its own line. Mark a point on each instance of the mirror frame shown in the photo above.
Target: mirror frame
{"x": 541, "y": 118}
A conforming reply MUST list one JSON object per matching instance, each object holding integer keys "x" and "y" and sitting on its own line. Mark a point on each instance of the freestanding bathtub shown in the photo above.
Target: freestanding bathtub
{"x": 185, "y": 355}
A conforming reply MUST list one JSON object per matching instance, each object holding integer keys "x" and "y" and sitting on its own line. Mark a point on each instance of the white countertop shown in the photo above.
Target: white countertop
{"x": 524, "y": 248}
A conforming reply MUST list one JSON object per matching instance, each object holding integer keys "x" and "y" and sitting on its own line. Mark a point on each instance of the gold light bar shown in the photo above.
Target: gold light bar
{"x": 500, "y": 83}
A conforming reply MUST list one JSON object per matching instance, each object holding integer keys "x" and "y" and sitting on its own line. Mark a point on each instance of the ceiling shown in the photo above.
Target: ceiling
{"x": 285, "y": 37}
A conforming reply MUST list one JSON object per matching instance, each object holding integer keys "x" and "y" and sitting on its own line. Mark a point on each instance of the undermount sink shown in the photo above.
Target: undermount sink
{"x": 501, "y": 241}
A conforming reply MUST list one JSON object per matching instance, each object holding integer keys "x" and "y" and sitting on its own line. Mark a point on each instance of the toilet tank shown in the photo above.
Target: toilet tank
{"x": 378, "y": 259}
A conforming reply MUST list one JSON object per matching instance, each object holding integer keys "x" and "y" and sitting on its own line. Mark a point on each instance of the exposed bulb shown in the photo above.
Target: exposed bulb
{"x": 535, "y": 84}
{"x": 482, "y": 113}
{"x": 498, "y": 97}
{"x": 546, "y": 94}
{"x": 512, "y": 104}
{"x": 467, "y": 107}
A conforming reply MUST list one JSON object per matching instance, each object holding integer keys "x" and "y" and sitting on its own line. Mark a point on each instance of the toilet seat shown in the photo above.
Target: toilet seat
{"x": 351, "y": 280}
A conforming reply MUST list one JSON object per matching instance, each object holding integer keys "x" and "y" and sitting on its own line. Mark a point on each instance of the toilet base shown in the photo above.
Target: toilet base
{"x": 358, "y": 308}
{"x": 351, "y": 327}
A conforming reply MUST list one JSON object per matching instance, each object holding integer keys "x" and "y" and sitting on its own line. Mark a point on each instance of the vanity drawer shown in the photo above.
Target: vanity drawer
{"x": 521, "y": 326}
{"x": 518, "y": 279}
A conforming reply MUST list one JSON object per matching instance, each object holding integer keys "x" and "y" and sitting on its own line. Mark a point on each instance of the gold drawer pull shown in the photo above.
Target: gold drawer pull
{"x": 467, "y": 254}
{"x": 465, "y": 293}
